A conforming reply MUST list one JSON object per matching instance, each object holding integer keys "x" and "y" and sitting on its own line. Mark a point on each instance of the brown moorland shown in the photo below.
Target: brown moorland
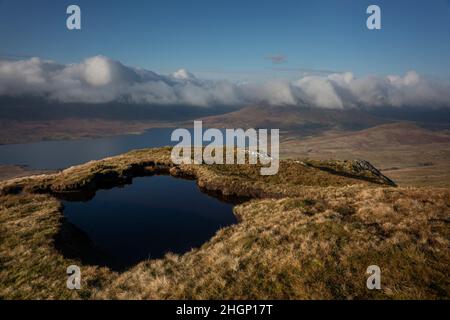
{"x": 408, "y": 153}
{"x": 309, "y": 232}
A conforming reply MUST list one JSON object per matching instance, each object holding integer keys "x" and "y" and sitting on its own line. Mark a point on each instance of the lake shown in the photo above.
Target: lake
{"x": 148, "y": 218}
{"x": 53, "y": 155}
{"x": 60, "y": 154}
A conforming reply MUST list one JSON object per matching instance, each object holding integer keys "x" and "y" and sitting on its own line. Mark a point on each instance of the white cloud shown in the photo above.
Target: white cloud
{"x": 183, "y": 74}
{"x": 320, "y": 91}
{"x": 102, "y": 80}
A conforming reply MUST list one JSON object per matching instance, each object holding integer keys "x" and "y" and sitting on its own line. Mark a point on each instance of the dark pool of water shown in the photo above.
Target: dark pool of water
{"x": 145, "y": 220}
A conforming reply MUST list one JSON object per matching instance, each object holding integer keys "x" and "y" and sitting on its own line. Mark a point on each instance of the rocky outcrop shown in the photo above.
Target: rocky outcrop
{"x": 357, "y": 169}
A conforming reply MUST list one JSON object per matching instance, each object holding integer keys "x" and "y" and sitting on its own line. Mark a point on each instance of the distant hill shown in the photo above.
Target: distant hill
{"x": 300, "y": 119}
{"x": 300, "y": 122}
{"x": 38, "y": 109}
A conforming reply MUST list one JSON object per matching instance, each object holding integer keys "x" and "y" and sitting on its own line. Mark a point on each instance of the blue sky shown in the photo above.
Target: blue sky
{"x": 232, "y": 39}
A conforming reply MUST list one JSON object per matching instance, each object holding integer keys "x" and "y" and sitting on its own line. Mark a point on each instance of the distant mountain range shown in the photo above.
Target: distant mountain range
{"x": 29, "y": 108}
{"x": 294, "y": 119}
{"x": 25, "y": 119}
{"x": 305, "y": 120}
{"x": 283, "y": 117}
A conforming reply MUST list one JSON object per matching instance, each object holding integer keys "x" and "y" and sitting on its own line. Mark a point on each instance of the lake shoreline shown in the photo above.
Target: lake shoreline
{"x": 23, "y": 132}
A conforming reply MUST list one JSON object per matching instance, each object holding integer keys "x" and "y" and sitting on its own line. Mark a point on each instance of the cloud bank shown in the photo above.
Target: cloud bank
{"x": 102, "y": 80}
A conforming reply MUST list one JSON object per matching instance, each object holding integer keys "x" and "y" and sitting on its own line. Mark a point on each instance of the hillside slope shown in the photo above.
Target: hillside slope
{"x": 300, "y": 120}
{"x": 308, "y": 233}
{"x": 408, "y": 153}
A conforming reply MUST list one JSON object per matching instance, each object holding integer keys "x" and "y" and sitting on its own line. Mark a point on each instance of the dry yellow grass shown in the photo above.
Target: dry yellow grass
{"x": 317, "y": 246}
{"x": 307, "y": 234}
{"x": 11, "y": 171}
{"x": 31, "y": 267}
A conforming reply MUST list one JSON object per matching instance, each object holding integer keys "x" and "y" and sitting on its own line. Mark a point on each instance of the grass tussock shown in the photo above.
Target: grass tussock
{"x": 308, "y": 233}
{"x": 31, "y": 267}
